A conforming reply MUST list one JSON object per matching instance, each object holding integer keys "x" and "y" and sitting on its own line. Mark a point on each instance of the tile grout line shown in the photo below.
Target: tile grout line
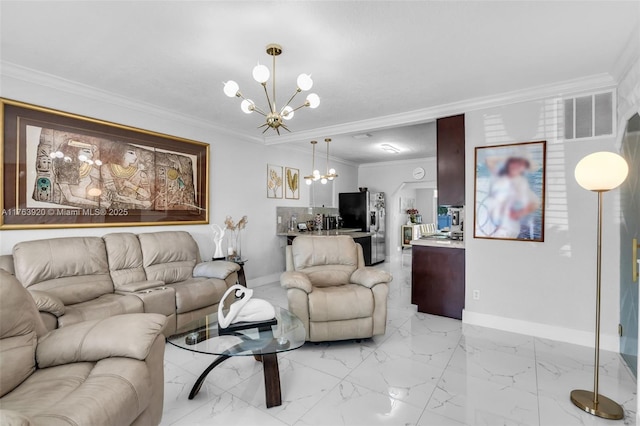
{"x": 444, "y": 370}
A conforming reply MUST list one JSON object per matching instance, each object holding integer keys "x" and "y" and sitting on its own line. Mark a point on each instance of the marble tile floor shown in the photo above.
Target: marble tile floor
{"x": 426, "y": 370}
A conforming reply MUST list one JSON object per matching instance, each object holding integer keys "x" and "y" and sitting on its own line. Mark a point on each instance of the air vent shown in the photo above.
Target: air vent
{"x": 589, "y": 116}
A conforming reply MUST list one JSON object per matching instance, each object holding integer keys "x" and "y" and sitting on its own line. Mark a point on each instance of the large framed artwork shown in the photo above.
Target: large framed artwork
{"x": 274, "y": 181}
{"x": 510, "y": 191}
{"x": 64, "y": 170}
{"x": 292, "y": 187}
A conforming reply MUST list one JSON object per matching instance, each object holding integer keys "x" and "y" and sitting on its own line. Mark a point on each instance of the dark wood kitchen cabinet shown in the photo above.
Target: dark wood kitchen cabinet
{"x": 450, "y": 145}
{"x": 437, "y": 280}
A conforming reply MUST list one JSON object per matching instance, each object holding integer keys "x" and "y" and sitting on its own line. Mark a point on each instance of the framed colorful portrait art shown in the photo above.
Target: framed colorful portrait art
{"x": 509, "y": 193}
{"x": 65, "y": 170}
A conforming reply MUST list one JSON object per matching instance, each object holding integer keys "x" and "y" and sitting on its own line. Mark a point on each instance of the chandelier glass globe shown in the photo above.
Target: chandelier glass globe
{"x": 261, "y": 73}
{"x": 231, "y": 88}
{"x": 304, "y": 82}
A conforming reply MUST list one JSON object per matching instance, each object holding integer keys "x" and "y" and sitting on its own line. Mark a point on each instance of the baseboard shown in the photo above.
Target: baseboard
{"x": 578, "y": 337}
{"x": 267, "y": 279}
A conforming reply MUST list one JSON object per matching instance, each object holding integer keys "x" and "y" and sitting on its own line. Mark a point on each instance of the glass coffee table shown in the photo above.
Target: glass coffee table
{"x": 264, "y": 343}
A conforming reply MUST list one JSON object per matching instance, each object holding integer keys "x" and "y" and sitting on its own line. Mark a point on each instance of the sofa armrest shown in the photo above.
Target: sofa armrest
{"x": 293, "y": 279}
{"x": 48, "y": 303}
{"x": 370, "y": 277}
{"x": 138, "y": 286}
{"x": 6, "y": 263}
{"x": 220, "y": 269}
{"x": 129, "y": 336}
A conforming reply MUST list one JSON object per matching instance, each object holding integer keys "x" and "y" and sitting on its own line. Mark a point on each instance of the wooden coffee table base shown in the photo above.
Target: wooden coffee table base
{"x": 270, "y": 371}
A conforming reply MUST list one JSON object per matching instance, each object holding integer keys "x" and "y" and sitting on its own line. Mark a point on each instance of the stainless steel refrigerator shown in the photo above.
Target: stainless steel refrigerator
{"x": 366, "y": 211}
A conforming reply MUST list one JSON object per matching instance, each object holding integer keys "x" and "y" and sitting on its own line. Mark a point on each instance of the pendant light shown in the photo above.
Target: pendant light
{"x": 330, "y": 173}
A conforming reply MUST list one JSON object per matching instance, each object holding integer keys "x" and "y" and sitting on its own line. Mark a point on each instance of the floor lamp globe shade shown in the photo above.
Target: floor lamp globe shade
{"x": 601, "y": 171}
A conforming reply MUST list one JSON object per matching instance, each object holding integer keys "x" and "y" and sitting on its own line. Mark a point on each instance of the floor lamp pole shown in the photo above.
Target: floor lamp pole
{"x": 592, "y": 402}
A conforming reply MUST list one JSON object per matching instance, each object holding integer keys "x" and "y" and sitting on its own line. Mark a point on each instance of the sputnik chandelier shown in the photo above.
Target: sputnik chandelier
{"x": 315, "y": 176}
{"x": 274, "y": 116}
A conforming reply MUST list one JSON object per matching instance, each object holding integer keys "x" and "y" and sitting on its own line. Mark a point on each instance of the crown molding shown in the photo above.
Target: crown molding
{"x": 628, "y": 56}
{"x": 19, "y": 72}
{"x": 599, "y": 81}
{"x": 400, "y": 162}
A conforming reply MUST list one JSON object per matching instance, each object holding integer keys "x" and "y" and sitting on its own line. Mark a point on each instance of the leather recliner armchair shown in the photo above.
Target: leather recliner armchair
{"x": 99, "y": 372}
{"x": 332, "y": 292}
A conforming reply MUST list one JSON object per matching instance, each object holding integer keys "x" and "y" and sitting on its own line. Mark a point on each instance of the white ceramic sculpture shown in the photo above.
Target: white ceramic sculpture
{"x": 245, "y": 309}
{"x": 218, "y": 236}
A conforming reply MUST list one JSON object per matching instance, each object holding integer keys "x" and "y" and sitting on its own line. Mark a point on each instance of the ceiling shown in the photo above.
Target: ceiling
{"x": 414, "y": 141}
{"x": 368, "y": 59}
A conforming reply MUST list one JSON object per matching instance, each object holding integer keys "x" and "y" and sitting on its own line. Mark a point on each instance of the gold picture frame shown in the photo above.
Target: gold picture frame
{"x": 65, "y": 170}
{"x": 291, "y": 183}
{"x": 275, "y": 182}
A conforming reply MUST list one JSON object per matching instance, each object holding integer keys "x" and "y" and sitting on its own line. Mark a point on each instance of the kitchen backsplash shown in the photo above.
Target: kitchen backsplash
{"x": 283, "y": 215}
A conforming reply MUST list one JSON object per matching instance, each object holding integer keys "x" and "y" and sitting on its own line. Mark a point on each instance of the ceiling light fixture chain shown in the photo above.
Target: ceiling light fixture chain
{"x": 261, "y": 74}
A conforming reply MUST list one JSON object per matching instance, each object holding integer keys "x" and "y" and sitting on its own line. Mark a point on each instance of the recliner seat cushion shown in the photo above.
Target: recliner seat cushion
{"x": 197, "y": 293}
{"x": 102, "y": 307}
{"x": 74, "y": 269}
{"x": 111, "y": 391}
{"x": 345, "y": 302}
{"x": 168, "y": 256}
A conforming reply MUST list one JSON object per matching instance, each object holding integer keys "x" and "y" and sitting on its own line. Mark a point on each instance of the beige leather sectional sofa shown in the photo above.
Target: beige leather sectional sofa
{"x": 79, "y": 279}
{"x": 106, "y": 372}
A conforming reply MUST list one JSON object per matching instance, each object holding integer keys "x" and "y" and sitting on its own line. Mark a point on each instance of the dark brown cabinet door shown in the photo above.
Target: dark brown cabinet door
{"x": 437, "y": 280}
{"x": 450, "y": 144}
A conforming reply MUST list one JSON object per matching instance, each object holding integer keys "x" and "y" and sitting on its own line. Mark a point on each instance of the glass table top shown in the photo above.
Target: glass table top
{"x": 203, "y": 336}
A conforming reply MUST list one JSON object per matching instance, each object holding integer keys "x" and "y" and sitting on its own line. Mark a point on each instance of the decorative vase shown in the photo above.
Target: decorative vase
{"x": 234, "y": 249}
{"x": 412, "y": 217}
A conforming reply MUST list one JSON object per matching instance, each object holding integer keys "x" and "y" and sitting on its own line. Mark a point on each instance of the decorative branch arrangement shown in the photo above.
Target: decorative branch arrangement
{"x": 234, "y": 249}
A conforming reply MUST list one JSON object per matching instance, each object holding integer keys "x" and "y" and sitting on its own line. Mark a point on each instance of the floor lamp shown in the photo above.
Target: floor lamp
{"x": 599, "y": 172}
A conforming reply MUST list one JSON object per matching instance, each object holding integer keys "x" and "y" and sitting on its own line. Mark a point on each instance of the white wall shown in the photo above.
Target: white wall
{"x": 238, "y": 171}
{"x": 545, "y": 289}
{"x": 392, "y": 178}
{"x": 425, "y": 205}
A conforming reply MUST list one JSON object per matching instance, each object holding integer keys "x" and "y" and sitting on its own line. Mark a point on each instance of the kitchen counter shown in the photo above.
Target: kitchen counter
{"x": 353, "y": 233}
{"x": 362, "y": 238}
{"x": 438, "y": 242}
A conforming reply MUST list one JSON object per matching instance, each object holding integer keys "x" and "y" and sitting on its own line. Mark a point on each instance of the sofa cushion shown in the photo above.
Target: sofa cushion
{"x": 102, "y": 307}
{"x": 17, "y": 333}
{"x": 326, "y": 260}
{"x": 343, "y": 302}
{"x": 74, "y": 269}
{"x": 125, "y": 258}
{"x": 168, "y": 256}
{"x": 197, "y": 293}
{"x": 113, "y": 391}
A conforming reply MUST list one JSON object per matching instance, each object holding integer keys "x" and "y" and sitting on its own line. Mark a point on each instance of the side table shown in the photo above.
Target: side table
{"x": 242, "y": 279}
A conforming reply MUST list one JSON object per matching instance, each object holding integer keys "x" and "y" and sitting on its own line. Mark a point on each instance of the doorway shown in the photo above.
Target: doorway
{"x": 629, "y": 237}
